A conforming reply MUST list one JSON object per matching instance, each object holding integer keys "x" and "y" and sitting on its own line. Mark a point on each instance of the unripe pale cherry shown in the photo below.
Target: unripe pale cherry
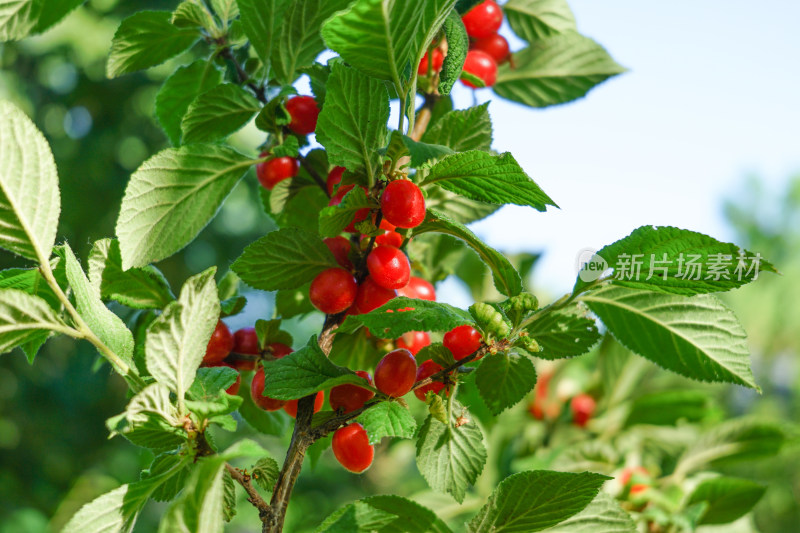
{"x": 371, "y": 296}
{"x": 340, "y": 248}
{"x": 350, "y": 397}
{"x": 482, "y": 66}
{"x": 245, "y": 342}
{"x": 389, "y": 267}
{"x": 414, "y": 341}
{"x": 304, "y": 112}
{"x": 426, "y": 370}
{"x": 275, "y": 170}
{"x": 291, "y": 405}
{"x": 483, "y": 19}
{"x": 333, "y": 291}
{"x": 462, "y": 341}
{"x": 494, "y": 45}
{"x": 402, "y": 204}
{"x": 582, "y": 406}
{"x": 334, "y": 179}
{"x": 419, "y": 289}
{"x": 352, "y": 449}
{"x": 438, "y": 60}
{"x": 359, "y": 216}
{"x": 219, "y": 346}
{"x": 396, "y": 373}
{"x": 257, "y": 393}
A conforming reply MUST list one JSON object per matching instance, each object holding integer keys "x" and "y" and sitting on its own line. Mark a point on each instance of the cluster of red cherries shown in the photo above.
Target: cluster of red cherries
{"x": 582, "y": 405}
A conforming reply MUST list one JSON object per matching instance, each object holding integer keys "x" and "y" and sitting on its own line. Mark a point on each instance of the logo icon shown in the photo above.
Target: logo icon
{"x": 590, "y": 266}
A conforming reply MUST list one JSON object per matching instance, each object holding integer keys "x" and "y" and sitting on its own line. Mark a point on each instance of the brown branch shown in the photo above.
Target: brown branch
{"x": 253, "y": 496}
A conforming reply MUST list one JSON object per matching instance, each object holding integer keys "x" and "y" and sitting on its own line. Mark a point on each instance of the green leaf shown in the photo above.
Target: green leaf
{"x": 29, "y": 197}
{"x": 283, "y": 259}
{"x": 229, "y": 498}
{"x": 140, "y": 288}
{"x": 299, "y": 42}
{"x": 696, "y": 337}
{"x": 191, "y": 14}
{"x": 457, "y": 48}
{"x": 266, "y": 422}
{"x": 146, "y": 39}
{"x": 563, "y": 333}
{"x": 217, "y": 113}
{"x": 199, "y": 507}
{"x": 679, "y": 261}
{"x": 113, "y": 511}
{"x": 261, "y": 20}
{"x": 269, "y": 331}
{"x": 352, "y": 124}
{"x": 265, "y": 473}
{"x": 535, "y": 500}
{"x": 210, "y": 381}
{"x": 421, "y": 152}
{"x": 357, "y": 517}
{"x": 603, "y": 515}
{"x": 450, "y": 458}
{"x": 387, "y": 419}
{"x": 463, "y": 129}
{"x": 533, "y": 20}
{"x": 390, "y": 320}
{"x": 437, "y": 353}
{"x": 503, "y": 379}
{"x": 555, "y": 70}
{"x": 150, "y": 420}
{"x": 177, "y": 340}
{"x": 334, "y": 219}
{"x": 18, "y": 18}
{"x": 728, "y": 498}
{"x": 294, "y": 302}
{"x": 666, "y": 408}
{"x": 25, "y": 318}
{"x": 180, "y": 90}
{"x": 406, "y": 517}
{"x": 172, "y": 196}
{"x": 305, "y": 372}
{"x": 489, "y": 178}
{"x": 31, "y": 281}
{"x": 506, "y": 279}
{"x": 456, "y": 207}
{"x": 175, "y": 464}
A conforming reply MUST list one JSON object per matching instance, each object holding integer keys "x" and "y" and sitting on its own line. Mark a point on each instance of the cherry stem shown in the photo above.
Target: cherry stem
{"x": 313, "y": 173}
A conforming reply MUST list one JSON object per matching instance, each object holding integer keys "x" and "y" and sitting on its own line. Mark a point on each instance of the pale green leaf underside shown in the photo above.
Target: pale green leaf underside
{"x": 24, "y": 318}
{"x": 18, "y": 18}
{"x": 218, "y": 113}
{"x": 532, "y": 20}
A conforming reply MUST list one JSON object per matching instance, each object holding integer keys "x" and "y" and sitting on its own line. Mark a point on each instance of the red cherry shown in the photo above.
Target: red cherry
{"x": 583, "y": 407}
{"x": 219, "y": 346}
{"x": 627, "y": 473}
{"x": 340, "y": 248}
{"x": 414, "y": 341}
{"x": 386, "y": 225}
{"x": 483, "y": 19}
{"x": 438, "y": 59}
{"x": 291, "y": 405}
{"x": 257, "y": 393}
{"x": 333, "y": 291}
{"x": 396, "y": 372}
{"x": 389, "y": 267}
{"x": 481, "y": 65}
{"x": 245, "y": 342}
{"x": 360, "y": 215}
{"x": 462, "y": 341}
{"x": 426, "y": 370}
{"x": 494, "y": 45}
{"x": 390, "y": 238}
{"x": 275, "y": 170}
{"x": 334, "y": 179}
{"x": 419, "y": 289}
{"x": 402, "y": 204}
{"x": 371, "y": 295}
{"x": 351, "y": 397}
{"x": 352, "y": 448}
{"x": 278, "y": 350}
{"x": 304, "y": 113}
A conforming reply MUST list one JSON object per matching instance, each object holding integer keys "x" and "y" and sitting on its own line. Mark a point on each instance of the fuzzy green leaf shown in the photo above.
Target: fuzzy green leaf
{"x": 533, "y": 20}
{"x": 262, "y": 20}
{"x": 179, "y": 91}
{"x": 563, "y": 333}
{"x": 217, "y": 113}
{"x": 25, "y": 318}
{"x": 463, "y": 129}
{"x": 391, "y": 320}
{"x": 387, "y": 419}
{"x": 503, "y": 379}
{"x": 602, "y": 515}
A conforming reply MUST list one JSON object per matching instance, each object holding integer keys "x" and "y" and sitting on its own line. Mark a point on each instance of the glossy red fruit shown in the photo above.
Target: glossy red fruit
{"x": 278, "y": 350}
{"x": 389, "y": 238}
{"x": 426, "y": 370}
{"x": 402, "y": 204}
{"x": 334, "y": 179}
{"x": 414, "y": 341}
{"x": 333, "y": 291}
{"x": 494, "y": 45}
{"x": 245, "y": 342}
{"x": 438, "y": 59}
{"x": 340, "y": 248}
{"x": 462, "y": 341}
{"x": 481, "y": 65}
{"x": 360, "y": 215}
{"x": 583, "y": 407}
{"x": 483, "y": 19}
{"x": 291, "y": 405}
{"x": 304, "y": 113}
{"x": 419, "y": 289}
{"x": 389, "y": 267}
{"x": 219, "y": 346}
{"x": 352, "y": 448}
{"x": 396, "y": 373}
{"x": 275, "y": 170}
{"x": 233, "y": 390}
{"x": 257, "y": 393}
{"x": 351, "y": 397}
{"x": 371, "y": 296}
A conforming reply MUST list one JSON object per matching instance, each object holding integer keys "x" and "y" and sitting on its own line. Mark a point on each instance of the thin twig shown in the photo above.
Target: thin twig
{"x": 252, "y": 494}
{"x": 313, "y": 173}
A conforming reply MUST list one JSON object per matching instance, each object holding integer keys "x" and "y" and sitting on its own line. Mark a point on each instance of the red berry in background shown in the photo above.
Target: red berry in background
{"x": 275, "y": 170}
{"x": 462, "y": 341}
{"x": 396, "y": 373}
{"x": 494, "y": 45}
{"x": 360, "y": 215}
{"x": 583, "y": 407}
{"x": 482, "y": 66}
{"x": 389, "y": 267}
{"x": 483, "y": 19}
{"x": 419, "y": 289}
{"x": 219, "y": 346}
{"x": 278, "y": 350}
{"x": 257, "y": 393}
{"x": 414, "y": 341}
{"x": 333, "y": 291}
{"x": 438, "y": 59}
{"x": 334, "y": 179}
{"x": 352, "y": 449}
{"x": 627, "y": 473}
{"x": 245, "y": 342}
{"x": 371, "y": 296}
{"x": 291, "y": 405}
{"x": 350, "y": 397}
{"x": 426, "y": 370}
{"x": 340, "y": 248}
{"x": 304, "y": 113}
{"x": 402, "y": 204}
